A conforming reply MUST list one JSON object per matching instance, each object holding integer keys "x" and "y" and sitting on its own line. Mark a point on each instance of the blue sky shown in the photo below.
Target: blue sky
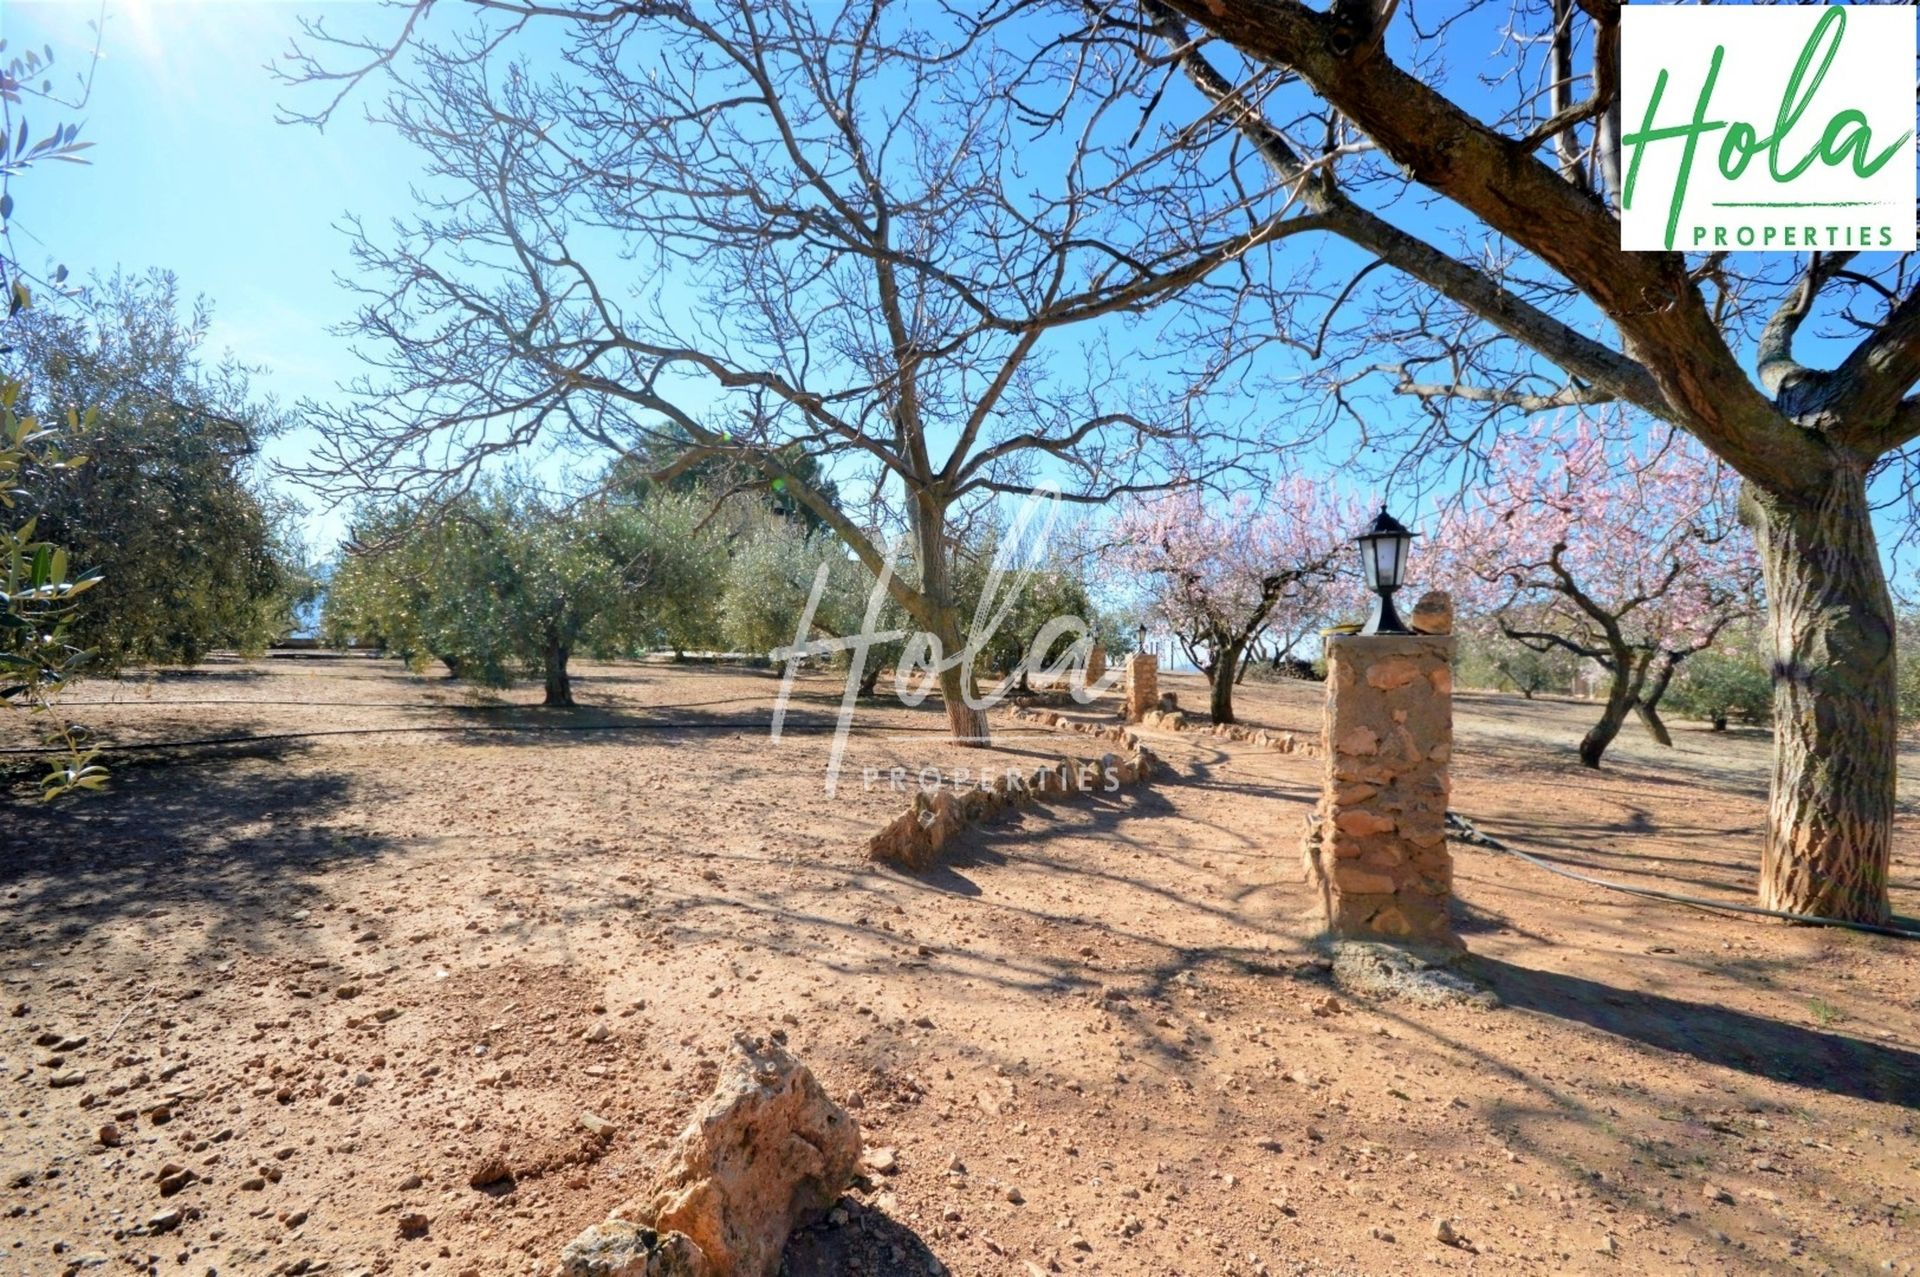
{"x": 192, "y": 172}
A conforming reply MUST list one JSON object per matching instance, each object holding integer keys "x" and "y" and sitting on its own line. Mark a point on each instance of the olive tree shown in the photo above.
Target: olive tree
{"x": 168, "y": 506}
{"x": 508, "y": 580}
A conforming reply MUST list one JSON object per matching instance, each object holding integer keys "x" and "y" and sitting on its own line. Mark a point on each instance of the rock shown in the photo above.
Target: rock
{"x": 109, "y": 1135}
{"x": 1377, "y": 969}
{"x": 70, "y": 1078}
{"x": 347, "y": 990}
{"x": 413, "y": 1224}
{"x": 618, "y": 1248}
{"x": 596, "y": 1125}
{"x": 881, "y": 1161}
{"x": 253, "y": 1184}
{"x": 165, "y": 1221}
{"x": 766, "y": 1153}
{"x": 490, "y": 1170}
{"x": 1015, "y": 1196}
{"x": 1433, "y": 614}
{"x": 1715, "y": 1193}
{"x": 1443, "y": 1232}
{"x": 1608, "y": 1245}
{"x": 598, "y": 1033}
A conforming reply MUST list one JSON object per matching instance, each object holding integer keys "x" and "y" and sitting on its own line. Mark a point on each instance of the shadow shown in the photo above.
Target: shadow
{"x": 870, "y": 1241}
{"x": 247, "y": 838}
{"x": 223, "y": 673}
{"x": 1716, "y": 1035}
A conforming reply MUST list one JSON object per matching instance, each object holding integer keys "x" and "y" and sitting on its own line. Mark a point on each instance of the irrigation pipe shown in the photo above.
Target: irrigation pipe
{"x": 1461, "y": 828}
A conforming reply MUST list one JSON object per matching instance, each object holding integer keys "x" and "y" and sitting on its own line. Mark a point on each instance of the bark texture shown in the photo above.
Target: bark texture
{"x": 1227, "y": 665}
{"x": 559, "y": 686}
{"x": 1623, "y": 693}
{"x": 967, "y": 725}
{"x": 1648, "y": 704}
{"x": 1835, "y": 728}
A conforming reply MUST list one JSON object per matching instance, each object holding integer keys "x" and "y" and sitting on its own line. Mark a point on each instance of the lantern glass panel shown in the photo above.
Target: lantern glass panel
{"x": 1393, "y": 563}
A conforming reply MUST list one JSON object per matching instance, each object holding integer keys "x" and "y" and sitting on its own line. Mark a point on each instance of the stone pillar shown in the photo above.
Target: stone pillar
{"x": 1096, "y": 663}
{"x": 1378, "y": 855}
{"x": 1143, "y": 685}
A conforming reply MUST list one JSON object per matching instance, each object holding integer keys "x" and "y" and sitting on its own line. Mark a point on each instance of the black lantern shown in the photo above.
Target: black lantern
{"x": 1140, "y": 638}
{"x": 1383, "y": 558}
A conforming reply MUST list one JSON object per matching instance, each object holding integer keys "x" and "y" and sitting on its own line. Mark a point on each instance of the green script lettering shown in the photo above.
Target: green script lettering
{"x": 1847, "y": 137}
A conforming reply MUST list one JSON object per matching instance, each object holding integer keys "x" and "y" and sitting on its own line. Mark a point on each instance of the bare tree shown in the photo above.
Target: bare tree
{"x": 853, "y": 229}
{"x": 1539, "y": 307}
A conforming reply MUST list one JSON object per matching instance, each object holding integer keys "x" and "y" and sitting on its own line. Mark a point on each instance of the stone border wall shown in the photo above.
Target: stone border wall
{"x": 1173, "y": 719}
{"x": 915, "y": 838}
{"x": 1106, "y": 731}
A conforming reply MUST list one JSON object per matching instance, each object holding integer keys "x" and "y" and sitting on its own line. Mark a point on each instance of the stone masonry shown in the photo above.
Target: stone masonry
{"x": 1096, "y": 664}
{"x": 1143, "y": 685}
{"x": 1378, "y": 851}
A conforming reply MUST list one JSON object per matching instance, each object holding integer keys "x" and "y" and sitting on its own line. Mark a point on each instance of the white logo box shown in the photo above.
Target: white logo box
{"x": 1853, "y": 100}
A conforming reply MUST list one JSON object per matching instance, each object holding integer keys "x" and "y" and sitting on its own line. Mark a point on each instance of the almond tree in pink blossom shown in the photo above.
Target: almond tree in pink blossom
{"x": 1628, "y": 554}
{"x": 1221, "y": 575}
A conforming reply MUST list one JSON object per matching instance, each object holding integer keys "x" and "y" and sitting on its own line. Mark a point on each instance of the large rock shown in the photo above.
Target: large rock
{"x": 767, "y": 1153}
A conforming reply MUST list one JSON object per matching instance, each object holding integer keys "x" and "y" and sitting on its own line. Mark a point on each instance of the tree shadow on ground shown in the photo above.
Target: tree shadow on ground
{"x": 219, "y": 673}
{"x": 870, "y": 1241}
{"x": 245, "y": 837}
{"x": 1747, "y": 1043}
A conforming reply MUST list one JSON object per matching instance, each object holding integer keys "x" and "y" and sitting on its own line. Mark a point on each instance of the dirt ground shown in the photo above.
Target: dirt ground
{"x": 306, "y": 990}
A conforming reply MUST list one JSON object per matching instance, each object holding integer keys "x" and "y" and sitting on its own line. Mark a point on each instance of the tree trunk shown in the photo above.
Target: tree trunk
{"x": 559, "y": 687}
{"x": 1647, "y": 705}
{"x": 967, "y": 725}
{"x": 1226, "y": 662}
{"x": 1241, "y": 666}
{"x": 1830, "y": 622}
{"x": 1650, "y": 719}
{"x": 1622, "y": 693}
{"x": 453, "y": 664}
